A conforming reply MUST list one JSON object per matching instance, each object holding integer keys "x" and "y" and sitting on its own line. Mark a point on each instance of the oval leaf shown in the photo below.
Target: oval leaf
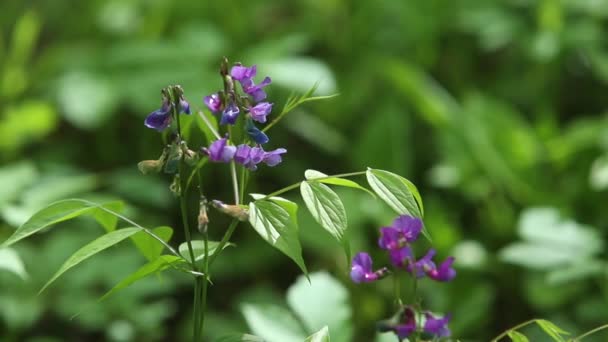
{"x": 315, "y": 175}
{"x": 150, "y": 247}
{"x": 327, "y": 209}
{"x": 92, "y": 248}
{"x": 10, "y": 261}
{"x": 62, "y": 211}
{"x": 320, "y": 336}
{"x": 276, "y": 222}
{"x": 198, "y": 248}
{"x": 399, "y": 193}
{"x": 516, "y": 336}
{"x": 552, "y": 330}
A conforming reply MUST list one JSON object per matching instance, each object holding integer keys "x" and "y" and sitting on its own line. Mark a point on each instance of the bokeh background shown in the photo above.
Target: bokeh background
{"x": 496, "y": 110}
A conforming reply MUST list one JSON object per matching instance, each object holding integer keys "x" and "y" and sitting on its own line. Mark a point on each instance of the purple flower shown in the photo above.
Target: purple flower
{"x": 219, "y": 151}
{"x": 213, "y": 102}
{"x": 249, "y": 156}
{"x": 401, "y": 257}
{"x": 240, "y": 72}
{"x": 425, "y": 265}
{"x": 362, "y": 272}
{"x": 437, "y": 326}
{"x": 230, "y": 114}
{"x": 404, "y": 229}
{"x": 273, "y": 158}
{"x": 407, "y": 324}
{"x": 259, "y": 111}
{"x": 161, "y": 118}
{"x": 256, "y": 135}
{"x": 184, "y": 106}
{"x": 254, "y": 90}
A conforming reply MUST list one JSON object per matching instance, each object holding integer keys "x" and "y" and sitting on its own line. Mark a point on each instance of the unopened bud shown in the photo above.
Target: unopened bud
{"x": 150, "y": 166}
{"x": 176, "y": 187}
{"x": 237, "y": 211}
{"x": 203, "y": 219}
{"x": 224, "y": 66}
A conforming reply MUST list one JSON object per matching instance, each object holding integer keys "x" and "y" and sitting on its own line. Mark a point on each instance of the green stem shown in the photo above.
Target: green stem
{"x": 590, "y": 332}
{"x": 205, "y": 284}
{"x": 519, "y": 326}
{"x": 197, "y": 309}
{"x": 224, "y": 241}
{"x": 295, "y": 185}
{"x": 397, "y": 289}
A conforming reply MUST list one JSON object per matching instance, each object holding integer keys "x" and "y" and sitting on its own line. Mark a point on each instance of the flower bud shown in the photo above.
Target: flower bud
{"x": 237, "y": 211}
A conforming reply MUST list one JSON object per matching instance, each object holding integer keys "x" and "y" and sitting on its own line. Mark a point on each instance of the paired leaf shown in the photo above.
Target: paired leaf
{"x": 516, "y": 336}
{"x": 399, "y": 193}
{"x": 276, "y": 222}
{"x": 320, "y": 336}
{"x": 150, "y": 247}
{"x": 155, "y": 266}
{"x": 552, "y": 330}
{"x": 62, "y": 211}
{"x": 323, "y": 178}
{"x": 91, "y": 249}
{"x": 327, "y": 209}
{"x": 198, "y": 248}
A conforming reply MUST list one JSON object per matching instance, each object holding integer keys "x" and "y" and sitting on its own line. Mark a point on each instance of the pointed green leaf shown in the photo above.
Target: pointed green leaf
{"x": 399, "y": 193}
{"x": 314, "y": 175}
{"x": 155, "y": 266}
{"x": 150, "y": 247}
{"x": 240, "y": 337}
{"x": 327, "y": 209}
{"x": 10, "y": 261}
{"x": 92, "y": 248}
{"x": 273, "y": 322}
{"x": 59, "y": 212}
{"x": 320, "y": 336}
{"x": 198, "y": 247}
{"x": 516, "y": 336}
{"x": 552, "y": 330}
{"x": 276, "y": 222}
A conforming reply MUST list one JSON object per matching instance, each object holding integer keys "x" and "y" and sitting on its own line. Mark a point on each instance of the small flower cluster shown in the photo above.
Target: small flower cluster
{"x": 231, "y": 104}
{"x": 396, "y": 240}
{"x": 161, "y": 118}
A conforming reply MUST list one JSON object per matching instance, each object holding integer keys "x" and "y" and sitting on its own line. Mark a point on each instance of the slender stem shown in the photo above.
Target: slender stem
{"x": 590, "y": 332}
{"x": 295, "y": 185}
{"x": 519, "y": 326}
{"x": 146, "y": 230}
{"x": 235, "y": 185}
{"x": 211, "y": 128}
{"x": 397, "y": 289}
{"x": 243, "y": 182}
{"x": 224, "y": 241}
{"x": 205, "y": 284}
{"x": 197, "y": 309}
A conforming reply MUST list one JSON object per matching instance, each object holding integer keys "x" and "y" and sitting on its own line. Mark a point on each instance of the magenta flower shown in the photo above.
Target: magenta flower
{"x": 213, "y": 102}
{"x": 437, "y": 326}
{"x": 404, "y": 229}
{"x": 425, "y": 265}
{"x": 260, "y": 111}
{"x": 407, "y": 324}
{"x": 240, "y": 72}
{"x": 220, "y": 151}
{"x": 401, "y": 257}
{"x": 362, "y": 272}
{"x": 256, "y": 90}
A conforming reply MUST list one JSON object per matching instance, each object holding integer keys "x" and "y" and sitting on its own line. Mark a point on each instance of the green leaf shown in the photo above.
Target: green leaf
{"x": 320, "y": 336}
{"x": 150, "y": 247}
{"x": 10, "y": 261}
{"x": 59, "y": 212}
{"x": 92, "y": 248}
{"x": 517, "y": 336}
{"x": 273, "y": 322}
{"x": 310, "y": 300}
{"x": 314, "y": 175}
{"x": 240, "y": 337}
{"x": 552, "y": 330}
{"x": 276, "y": 222}
{"x": 155, "y": 266}
{"x": 399, "y": 193}
{"x": 327, "y": 209}
{"x": 198, "y": 247}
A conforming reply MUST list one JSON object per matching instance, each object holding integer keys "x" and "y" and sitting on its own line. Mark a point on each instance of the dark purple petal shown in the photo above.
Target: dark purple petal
{"x": 159, "y": 119}
{"x": 273, "y": 158}
{"x": 361, "y": 270}
{"x": 437, "y": 326}
{"x": 423, "y": 265}
{"x": 256, "y": 154}
{"x": 407, "y": 325}
{"x": 213, "y": 102}
{"x": 230, "y": 114}
{"x": 240, "y": 72}
{"x": 409, "y": 226}
{"x": 260, "y": 111}
{"x": 184, "y": 106}
{"x": 255, "y": 90}
{"x": 389, "y": 238}
{"x": 401, "y": 257}
{"x": 256, "y": 135}
{"x": 445, "y": 272}
{"x": 219, "y": 151}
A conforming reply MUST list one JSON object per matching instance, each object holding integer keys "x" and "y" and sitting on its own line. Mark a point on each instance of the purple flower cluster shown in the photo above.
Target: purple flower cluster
{"x": 248, "y": 156}
{"x": 162, "y": 117}
{"x": 406, "y": 324}
{"x": 396, "y": 240}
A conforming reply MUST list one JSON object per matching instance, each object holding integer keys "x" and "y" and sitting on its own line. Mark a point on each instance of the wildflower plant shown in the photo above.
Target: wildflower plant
{"x": 239, "y": 144}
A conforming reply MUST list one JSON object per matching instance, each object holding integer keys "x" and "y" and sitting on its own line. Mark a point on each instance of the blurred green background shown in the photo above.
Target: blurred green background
{"x": 495, "y": 109}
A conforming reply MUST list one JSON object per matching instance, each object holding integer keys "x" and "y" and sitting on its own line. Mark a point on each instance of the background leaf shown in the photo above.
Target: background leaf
{"x": 149, "y": 246}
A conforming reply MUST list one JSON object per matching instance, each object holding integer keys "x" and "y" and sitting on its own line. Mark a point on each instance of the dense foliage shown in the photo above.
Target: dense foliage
{"x": 495, "y": 110}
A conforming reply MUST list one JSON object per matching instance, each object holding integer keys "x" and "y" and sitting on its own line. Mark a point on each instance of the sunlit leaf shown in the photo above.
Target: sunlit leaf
{"x": 240, "y": 337}
{"x": 552, "y": 330}
{"x": 149, "y": 246}
{"x": 92, "y": 248}
{"x": 320, "y": 336}
{"x": 10, "y": 261}
{"x": 198, "y": 249}
{"x": 315, "y": 175}
{"x": 517, "y": 336}
{"x": 272, "y": 322}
